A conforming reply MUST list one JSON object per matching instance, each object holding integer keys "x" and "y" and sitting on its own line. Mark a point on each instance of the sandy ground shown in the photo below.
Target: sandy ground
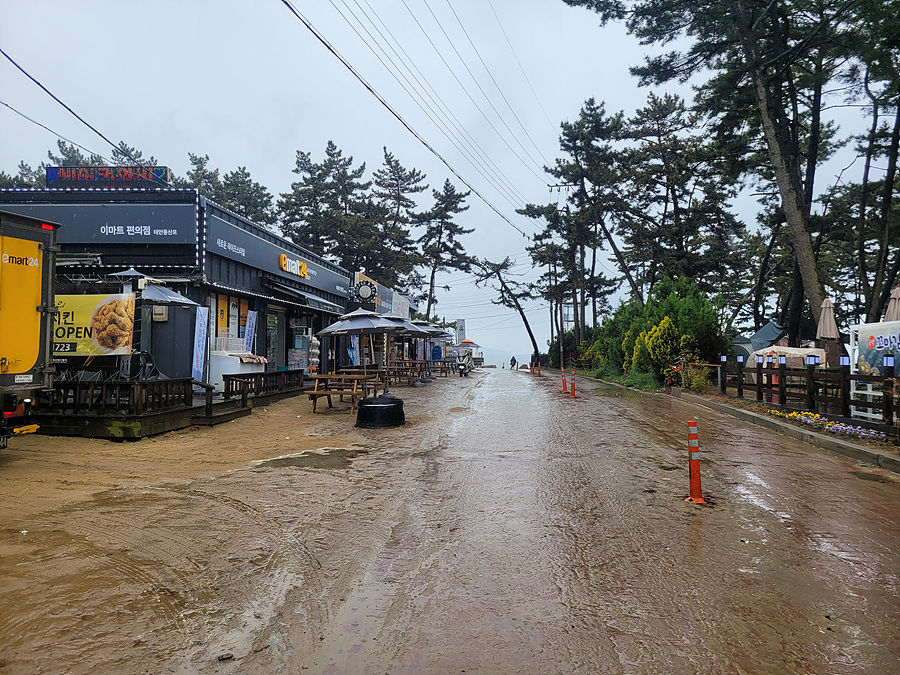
{"x": 230, "y": 549}
{"x": 165, "y": 554}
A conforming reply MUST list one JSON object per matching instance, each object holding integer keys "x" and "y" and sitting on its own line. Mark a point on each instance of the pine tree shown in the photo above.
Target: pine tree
{"x": 441, "y": 248}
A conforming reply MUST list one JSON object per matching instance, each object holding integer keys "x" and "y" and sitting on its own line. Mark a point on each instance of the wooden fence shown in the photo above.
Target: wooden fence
{"x": 257, "y": 384}
{"x": 816, "y": 389}
{"x": 123, "y": 396}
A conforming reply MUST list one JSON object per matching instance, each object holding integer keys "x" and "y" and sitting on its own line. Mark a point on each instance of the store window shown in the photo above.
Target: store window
{"x": 298, "y": 343}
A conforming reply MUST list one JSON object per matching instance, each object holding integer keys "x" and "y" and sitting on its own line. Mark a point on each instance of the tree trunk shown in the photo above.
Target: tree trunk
{"x": 430, "y": 292}
{"x": 783, "y": 156}
{"x": 862, "y": 272}
{"x": 796, "y": 309}
{"x": 506, "y": 290}
{"x": 635, "y": 290}
{"x": 594, "y": 277}
{"x": 884, "y": 223}
{"x": 760, "y": 280}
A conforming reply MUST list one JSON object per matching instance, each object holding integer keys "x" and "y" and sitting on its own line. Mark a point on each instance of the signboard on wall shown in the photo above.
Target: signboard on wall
{"x": 232, "y": 242}
{"x": 108, "y": 223}
{"x": 87, "y": 325}
{"x": 199, "y": 359}
{"x": 147, "y": 177}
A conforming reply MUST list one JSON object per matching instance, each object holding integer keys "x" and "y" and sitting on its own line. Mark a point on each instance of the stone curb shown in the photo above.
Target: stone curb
{"x": 819, "y": 440}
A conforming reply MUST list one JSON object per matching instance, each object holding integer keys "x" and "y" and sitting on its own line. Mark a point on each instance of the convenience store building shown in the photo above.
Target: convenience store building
{"x": 254, "y": 290}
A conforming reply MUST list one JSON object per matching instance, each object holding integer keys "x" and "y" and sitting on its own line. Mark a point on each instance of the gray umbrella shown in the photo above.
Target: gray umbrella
{"x": 361, "y": 322}
{"x": 892, "y": 313}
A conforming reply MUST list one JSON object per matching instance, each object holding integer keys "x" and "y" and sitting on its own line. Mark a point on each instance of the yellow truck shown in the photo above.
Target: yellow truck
{"x": 27, "y": 282}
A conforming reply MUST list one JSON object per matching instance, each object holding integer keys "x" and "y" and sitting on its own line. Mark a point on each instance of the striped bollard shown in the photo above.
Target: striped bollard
{"x": 572, "y": 384}
{"x": 694, "y": 464}
{"x": 563, "y": 371}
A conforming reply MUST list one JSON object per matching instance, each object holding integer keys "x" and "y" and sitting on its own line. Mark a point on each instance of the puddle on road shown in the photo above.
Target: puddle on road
{"x": 871, "y": 476}
{"x": 326, "y": 458}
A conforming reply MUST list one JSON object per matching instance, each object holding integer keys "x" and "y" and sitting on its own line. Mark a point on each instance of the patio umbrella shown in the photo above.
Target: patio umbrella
{"x": 361, "y": 322}
{"x": 892, "y": 313}
{"x": 468, "y": 343}
{"x": 160, "y": 295}
{"x": 827, "y": 328}
{"x": 827, "y": 332}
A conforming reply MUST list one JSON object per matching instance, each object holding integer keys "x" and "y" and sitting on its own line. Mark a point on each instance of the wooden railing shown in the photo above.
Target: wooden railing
{"x": 256, "y": 384}
{"x": 813, "y": 389}
{"x": 124, "y": 396}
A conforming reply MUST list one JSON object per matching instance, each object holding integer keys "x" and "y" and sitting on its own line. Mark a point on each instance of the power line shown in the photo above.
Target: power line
{"x": 491, "y": 75}
{"x": 483, "y": 93}
{"x": 43, "y": 126}
{"x": 410, "y": 64}
{"x": 78, "y": 117}
{"x": 393, "y": 112}
{"x": 524, "y": 74}
{"x": 498, "y": 181}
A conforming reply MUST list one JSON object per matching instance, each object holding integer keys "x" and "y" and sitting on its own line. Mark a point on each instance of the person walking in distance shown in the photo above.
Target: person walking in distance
{"x": 512, "y": 363}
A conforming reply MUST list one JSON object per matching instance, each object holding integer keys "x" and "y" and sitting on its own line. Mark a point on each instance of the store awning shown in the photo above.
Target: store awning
{"x": 315, "y": 300}
{"x": 310, "y": 299}
{"x": 161, "y": 295}
{"x": 282, "y": 288}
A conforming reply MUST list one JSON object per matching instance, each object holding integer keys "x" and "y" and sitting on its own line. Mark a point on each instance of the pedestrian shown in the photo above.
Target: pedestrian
{"x": 512, "y": 363}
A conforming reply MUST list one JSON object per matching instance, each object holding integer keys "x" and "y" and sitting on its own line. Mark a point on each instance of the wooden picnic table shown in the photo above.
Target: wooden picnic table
{"x": 353, "y": 385}
{"x": 398, "y": 371}
{"x": 378, "y": 376}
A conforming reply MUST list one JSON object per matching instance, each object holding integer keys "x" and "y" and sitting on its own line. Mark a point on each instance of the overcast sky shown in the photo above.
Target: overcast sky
{"x": 245, "y": 82}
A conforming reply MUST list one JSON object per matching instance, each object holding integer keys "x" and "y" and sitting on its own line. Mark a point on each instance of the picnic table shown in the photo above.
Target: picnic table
{"x": 378, "y": 376}
{"x": 352, "y": 385}
{"x": 399, "y": 371}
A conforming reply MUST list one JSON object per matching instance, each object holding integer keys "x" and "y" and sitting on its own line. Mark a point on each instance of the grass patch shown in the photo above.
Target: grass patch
{"x": 641, "y": 381}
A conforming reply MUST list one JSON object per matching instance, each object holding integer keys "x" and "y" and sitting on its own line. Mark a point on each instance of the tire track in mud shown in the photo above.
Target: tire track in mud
{"x": 372, "y": 582}
{"x": 127, "y": 538}
{"x": 693, "y": 588}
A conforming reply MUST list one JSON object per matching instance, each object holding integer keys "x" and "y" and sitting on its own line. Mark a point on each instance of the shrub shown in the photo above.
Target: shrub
{"x": 696, "y": 379}
{"x": 642, "y": 362}
{"x": 663, "y": 344}
{"x": 701, "y": 326}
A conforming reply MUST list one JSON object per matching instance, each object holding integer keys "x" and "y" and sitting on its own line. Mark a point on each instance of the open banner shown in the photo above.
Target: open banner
{"x": 89, "y": 325}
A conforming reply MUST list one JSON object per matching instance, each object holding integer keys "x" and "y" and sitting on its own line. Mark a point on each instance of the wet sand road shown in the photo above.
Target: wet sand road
{"x": 546, "y": 535}
{"x": 505, "y": 529}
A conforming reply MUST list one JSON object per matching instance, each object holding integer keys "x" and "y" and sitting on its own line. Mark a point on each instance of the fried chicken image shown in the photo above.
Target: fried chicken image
{"x": 113, "y": 323}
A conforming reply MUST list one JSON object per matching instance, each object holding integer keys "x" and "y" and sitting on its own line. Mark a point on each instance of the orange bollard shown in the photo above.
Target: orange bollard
{"x": 572, "y": 384}
{"x": 694, "y": 464}
{"x": 563, "y": 371}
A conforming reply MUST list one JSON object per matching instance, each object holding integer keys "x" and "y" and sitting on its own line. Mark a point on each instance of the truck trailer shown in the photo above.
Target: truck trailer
{"x": 27, "y": 310}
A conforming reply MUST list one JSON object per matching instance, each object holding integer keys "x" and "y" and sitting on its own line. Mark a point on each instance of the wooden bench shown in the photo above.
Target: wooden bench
{"x": 315, "y": 395}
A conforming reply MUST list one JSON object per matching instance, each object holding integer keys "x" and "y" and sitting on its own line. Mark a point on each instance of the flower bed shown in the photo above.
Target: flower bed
{"x": 816, "y": 421}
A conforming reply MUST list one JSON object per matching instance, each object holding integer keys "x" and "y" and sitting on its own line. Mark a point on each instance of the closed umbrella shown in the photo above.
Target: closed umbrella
{"x": 892, "y": 313}
{"x": 827, "y": 328}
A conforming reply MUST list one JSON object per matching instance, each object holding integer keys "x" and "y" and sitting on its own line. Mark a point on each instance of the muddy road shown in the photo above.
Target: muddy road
{"x": 505, "y": 529}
